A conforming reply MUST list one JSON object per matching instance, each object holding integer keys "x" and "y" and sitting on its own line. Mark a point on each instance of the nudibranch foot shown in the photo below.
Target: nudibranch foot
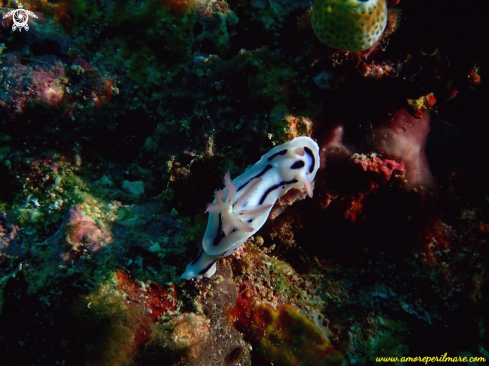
{"x": 203, "y": 266}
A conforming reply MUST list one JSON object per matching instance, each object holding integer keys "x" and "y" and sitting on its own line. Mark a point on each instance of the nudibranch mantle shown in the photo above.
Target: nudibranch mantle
{"x": 242, "y": 207}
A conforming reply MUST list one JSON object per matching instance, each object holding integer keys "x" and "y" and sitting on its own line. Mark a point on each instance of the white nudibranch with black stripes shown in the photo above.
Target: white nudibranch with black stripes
{"x": 242, "y": 207}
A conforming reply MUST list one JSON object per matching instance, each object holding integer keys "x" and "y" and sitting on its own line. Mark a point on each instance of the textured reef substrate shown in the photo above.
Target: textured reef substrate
{"x": 118, "y": 121}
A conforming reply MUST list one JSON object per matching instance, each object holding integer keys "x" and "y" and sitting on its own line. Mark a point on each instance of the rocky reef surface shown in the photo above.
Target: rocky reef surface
{"x": 118, "y": 120}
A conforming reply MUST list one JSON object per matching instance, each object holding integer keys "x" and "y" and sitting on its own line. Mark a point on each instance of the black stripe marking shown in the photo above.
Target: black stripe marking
{"x": 198, "y": 257}
{"x": 297, "y": 165}
{"x": 219, "y": 233}
{"x": 207, "y": 268}
{"x": 264, "y": 197}
{"x": 283, "y": 152}
{"x": 267, "y": 168}
{"x": 309, "y": 152}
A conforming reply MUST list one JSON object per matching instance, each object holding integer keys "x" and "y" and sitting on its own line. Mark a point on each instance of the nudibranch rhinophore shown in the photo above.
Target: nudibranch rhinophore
{"x": 349, "y": 25}
{"x": 242, "y": 207}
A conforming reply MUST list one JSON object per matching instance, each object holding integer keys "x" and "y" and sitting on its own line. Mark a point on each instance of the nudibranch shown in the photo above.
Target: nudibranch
{"x": 349, "y": 25}
{"x": 242, "y": 207}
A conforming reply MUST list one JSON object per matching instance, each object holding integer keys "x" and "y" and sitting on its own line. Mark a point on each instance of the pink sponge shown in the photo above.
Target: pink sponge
{"x": 403, "y": 138}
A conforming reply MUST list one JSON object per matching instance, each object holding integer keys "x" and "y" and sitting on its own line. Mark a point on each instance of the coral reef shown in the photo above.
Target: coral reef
{"x": 118, "y": 120}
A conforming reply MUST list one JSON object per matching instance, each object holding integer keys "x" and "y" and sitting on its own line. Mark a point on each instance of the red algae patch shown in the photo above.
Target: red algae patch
{"x": 154, "y": 298}
{"x": 382, "y": 168}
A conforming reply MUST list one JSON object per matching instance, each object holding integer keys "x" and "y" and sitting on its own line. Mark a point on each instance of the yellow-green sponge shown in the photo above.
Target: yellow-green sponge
{"x": 350, "y": 25}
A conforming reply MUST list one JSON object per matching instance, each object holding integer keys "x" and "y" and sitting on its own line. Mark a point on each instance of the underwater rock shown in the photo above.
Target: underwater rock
{"x": 84, "y": 235}
{"x": 46, "y": 81}
{"x": 187, "y": 333}
{"x": 8, "y": 233}
{"x": 223, "y": 345}
{"x": 283, "y": 336}
{"x": 135, "y": 189}
{"x": 113, "y": 327}
{"x": 78, "y": 236}
{"x": 154, "y": 299}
